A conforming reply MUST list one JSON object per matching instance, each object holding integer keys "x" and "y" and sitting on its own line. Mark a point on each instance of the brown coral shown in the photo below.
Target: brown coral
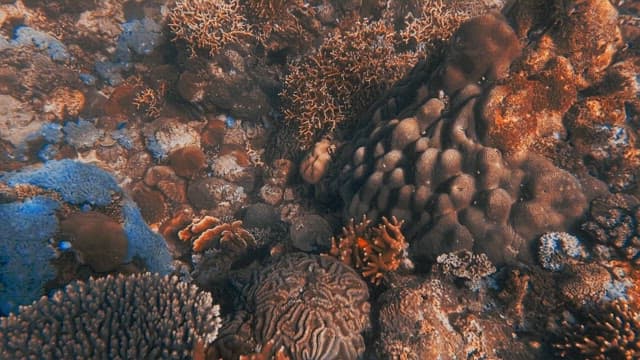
{"x": 98, "y": 240}
{"x": 211, "y": 232}
{"x": 374, "y": 251}
{"x": 208, "y": 25}
{"x": 608, "y": 331}
{"x": 113, "y": 317}
{"x": 312, "y": 306}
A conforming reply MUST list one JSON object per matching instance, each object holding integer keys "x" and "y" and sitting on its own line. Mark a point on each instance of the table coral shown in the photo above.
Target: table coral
{"x": 113, "y": 317}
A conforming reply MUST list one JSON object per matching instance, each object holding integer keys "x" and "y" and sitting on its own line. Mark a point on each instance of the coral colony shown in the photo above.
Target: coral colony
{"x": 320, "y": 179}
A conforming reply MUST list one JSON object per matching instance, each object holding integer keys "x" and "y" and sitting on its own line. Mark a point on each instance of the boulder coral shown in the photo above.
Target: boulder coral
{"x": 314, "y": 307}
{"x": 450, "y": 149}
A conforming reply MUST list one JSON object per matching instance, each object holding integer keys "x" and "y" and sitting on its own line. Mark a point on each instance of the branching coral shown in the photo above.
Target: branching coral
{"x": 350, "y": 69}
{"x": 212, "y": 232}
{"x": 279, "y": 24}
{"x": 142, "y": 316}
{"x": 208, "y": 25}
{"x": 374, "y": 251}
{"x": 609, "y": 331}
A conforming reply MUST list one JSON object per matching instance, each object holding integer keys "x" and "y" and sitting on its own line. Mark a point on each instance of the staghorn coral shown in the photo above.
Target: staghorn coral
{"x": 343, "y": 77}
{"x": 313, "y": 306}
{"x": 281, "y": 24}
{"x": 208, "y": 25}
{"x": 608, "y": 331}
{"x": 372, "y": 250}
{"x": 137, "y": 316}
{"x": 211, "y": 232}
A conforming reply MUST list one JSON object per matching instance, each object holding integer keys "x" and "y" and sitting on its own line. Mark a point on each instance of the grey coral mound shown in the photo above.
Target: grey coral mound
{"x": 142, "y": 316}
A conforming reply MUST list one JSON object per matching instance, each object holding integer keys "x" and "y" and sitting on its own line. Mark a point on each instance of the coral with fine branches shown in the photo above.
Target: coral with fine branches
{"x": 373, "y": 250}
{"x": 208, "y": 25}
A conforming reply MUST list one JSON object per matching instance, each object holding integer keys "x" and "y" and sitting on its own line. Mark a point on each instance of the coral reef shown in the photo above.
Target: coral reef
{"x": 430, "y": 318}
{"x": 139, "y": 316}
{"x": 312, "y": 306}
{"x": 71, "y": 201}
{"x": 428, "y": 154}
{"x": 26, "y": 253}
{"x": 372, "y": 250}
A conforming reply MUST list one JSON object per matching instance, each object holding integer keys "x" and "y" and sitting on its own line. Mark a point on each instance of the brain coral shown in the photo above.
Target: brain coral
{"x": 314, "y": 306}
{"x": 424, "y": 157}
{"x": 125, "y": 317}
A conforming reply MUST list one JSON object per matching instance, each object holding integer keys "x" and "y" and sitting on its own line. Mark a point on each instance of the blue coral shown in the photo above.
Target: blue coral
{"x": 25, "y": 253}
{"x": 24, "y": 35}
{"x": 139, "y": 37}
{"x": 150, "y": 247}
{"x": 81, "y": 134}
{"x": 76, "y": 182}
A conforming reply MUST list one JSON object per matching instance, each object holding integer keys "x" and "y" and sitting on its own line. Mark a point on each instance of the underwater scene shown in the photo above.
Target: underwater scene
{"x": 319, "y": 179}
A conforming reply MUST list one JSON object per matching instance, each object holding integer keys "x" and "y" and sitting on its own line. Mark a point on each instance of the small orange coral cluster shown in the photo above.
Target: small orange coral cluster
{"x": 211, "y": 232}
{"x": 374, "y": 250}
{"x": 150, "y": 101}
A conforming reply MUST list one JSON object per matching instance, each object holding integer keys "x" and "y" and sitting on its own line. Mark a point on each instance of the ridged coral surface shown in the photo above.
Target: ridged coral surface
{"x": 314, "y": 306}
{"x": 117, "y": 317}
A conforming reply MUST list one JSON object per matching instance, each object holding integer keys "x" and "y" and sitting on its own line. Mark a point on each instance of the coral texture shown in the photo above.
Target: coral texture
{"x": 210, "y": 232}
{"x": 208, "y": 25}
{"x": 25, "y": 253}
{"x": 121, "y": 317}
{"x": 613, "y": 222}
{"x": 423, "y": 158}
{"x": 609, "y": 331}
{"x": 372, "y": 250}
{"x": 313, "y": 306}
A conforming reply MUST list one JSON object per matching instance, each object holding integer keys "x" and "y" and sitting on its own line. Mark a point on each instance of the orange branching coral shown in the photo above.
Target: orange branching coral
{"x": 375, "y": 251}
{"x": 150, "y": 100}
{"x": 208, "y": 25}
{"x": 211, "y": 232}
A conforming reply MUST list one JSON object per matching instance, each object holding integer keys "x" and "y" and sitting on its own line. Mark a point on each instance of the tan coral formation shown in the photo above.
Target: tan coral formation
{"x": 211, "y": 232}
{"x": 451, "y": 151}
{"x": 312, "y": 306}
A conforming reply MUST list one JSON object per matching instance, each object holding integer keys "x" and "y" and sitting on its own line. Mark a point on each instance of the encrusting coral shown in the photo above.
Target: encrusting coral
{"x": 211, "y": 232}
{"x": 372, "y": 250}
{"x": 118, "y": 317}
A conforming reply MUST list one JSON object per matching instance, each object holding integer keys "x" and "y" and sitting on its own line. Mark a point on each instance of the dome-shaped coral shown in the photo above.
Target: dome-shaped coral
{"x": 313, "y": 306}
